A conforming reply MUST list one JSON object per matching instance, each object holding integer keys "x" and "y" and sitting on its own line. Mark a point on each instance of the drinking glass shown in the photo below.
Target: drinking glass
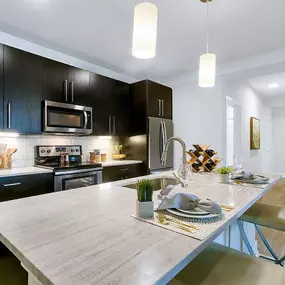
{"x": 185, "y": 174}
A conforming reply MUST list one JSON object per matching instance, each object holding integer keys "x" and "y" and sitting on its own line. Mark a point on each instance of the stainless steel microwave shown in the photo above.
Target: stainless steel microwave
{"x": 66, "y": 118}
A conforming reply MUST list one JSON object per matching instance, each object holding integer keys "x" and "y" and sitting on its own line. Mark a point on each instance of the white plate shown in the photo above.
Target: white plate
{"x": 183, "y": 215}
{"x": 196, "y": 211}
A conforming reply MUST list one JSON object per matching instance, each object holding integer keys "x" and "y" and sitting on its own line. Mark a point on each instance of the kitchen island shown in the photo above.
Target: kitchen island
{"x": 87, "y": 235}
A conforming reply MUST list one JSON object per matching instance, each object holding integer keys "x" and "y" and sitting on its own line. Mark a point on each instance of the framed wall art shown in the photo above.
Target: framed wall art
{"x": 254, "y": 133}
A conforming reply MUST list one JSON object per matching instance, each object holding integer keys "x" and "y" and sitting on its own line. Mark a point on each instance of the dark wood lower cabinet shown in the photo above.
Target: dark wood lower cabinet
{"x": 17, "y": 187}
{"x": 115, "y": 173}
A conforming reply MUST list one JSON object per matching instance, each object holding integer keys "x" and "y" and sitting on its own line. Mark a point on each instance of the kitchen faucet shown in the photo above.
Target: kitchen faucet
{"x": 164, "y": 154}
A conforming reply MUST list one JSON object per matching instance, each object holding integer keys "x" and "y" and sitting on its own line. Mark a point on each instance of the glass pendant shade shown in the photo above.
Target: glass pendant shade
{"x": 207, "y": 70}
{"x": 145, "y": 30}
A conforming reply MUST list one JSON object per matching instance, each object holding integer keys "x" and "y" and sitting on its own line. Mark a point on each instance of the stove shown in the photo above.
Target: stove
{"x": 71, "y": 173}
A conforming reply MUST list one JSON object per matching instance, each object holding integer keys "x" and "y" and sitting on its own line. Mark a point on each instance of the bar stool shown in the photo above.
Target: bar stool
{"x": 270, "y": 216}
{"x": 220, "y": 265}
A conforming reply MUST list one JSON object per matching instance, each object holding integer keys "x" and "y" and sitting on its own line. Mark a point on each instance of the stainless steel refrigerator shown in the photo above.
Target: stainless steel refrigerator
{"x": 149, "y": 147}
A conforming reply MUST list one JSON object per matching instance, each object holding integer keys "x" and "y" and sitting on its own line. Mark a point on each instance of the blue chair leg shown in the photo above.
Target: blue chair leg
{"x": 244, "y": 238}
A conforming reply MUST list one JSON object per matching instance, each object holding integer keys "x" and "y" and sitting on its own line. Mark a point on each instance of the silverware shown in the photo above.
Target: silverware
{"x": 171, "y": 219}
{"x": 162, "y": 221}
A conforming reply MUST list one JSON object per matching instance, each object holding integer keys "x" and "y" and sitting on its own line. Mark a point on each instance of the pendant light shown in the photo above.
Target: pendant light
{"x": 207, "y": 68}
{"x": 145, "y": 30}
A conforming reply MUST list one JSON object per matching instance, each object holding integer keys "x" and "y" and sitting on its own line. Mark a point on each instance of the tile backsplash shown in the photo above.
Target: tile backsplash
{"x": 25, "y": 145}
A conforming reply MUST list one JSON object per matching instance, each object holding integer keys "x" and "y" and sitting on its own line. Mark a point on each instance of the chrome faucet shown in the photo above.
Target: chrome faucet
{"x": 164, "y": 154}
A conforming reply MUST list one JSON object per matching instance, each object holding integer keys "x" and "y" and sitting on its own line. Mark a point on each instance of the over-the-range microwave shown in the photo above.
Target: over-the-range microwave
{"x": 66, "y": 118}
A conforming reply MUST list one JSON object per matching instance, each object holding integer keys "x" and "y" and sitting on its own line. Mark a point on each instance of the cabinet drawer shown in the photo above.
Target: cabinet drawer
{"x": 115, "y": 173}
{"x": 25, "y": 186}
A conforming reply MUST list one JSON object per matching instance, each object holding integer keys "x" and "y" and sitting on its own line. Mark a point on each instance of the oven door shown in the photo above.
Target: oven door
{"x": 66, "y": 118}
{"x": 74, "y": 180}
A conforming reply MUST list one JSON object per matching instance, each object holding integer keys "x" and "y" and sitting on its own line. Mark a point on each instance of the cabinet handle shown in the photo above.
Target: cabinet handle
{"x": 159, "y": 107}
{"x": 162, "y": 108}
{"x": 12, "y": 184}
{"x": 110, "y": 124}
{"x": 9, "y": 115}
{"x": 124, "y": 169}
{"x": 64, "y": 83}
{"x": 71, "y": 87}
{"x": 114, "y": 125}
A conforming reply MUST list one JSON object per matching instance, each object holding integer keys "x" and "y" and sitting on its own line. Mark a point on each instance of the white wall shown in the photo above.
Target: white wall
{"x": 198, "y": 116}
{"x": 278, "y": 118}
{"x": 252, "y": 106}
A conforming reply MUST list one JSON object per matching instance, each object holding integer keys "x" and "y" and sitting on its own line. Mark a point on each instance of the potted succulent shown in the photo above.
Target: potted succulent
{"x": 145, "y": 206}
{"x": 225, "y": 174}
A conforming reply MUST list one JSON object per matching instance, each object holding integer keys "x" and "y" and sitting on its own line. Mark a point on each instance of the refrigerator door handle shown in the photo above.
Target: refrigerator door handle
{"x": 164, "y": 140}
{"x": 165, "y": 132}
{"x": 161, "y": 142}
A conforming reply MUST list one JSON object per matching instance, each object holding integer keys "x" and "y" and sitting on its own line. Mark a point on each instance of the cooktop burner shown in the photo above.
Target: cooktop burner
{"x": 72, "y": 165}
{"x": 50, "y": 157}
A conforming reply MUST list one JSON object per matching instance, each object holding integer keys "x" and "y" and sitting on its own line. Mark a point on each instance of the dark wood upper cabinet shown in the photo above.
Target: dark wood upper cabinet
{"x": 110, "y": 102}
{"x": 149, "y": 99}
{"x": 159, "y": 100}
{"x": 121, "y": 102}
{"x": 22, "y": 91}
{"x": 78, "y": 86}
{"x": 55, "y": 81}
{"x": 1, "y": 87}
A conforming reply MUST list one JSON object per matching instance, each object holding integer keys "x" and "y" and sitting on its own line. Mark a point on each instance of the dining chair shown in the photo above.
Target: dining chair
{"x": 270, "y": 216}
{"x": 220, "y": 265}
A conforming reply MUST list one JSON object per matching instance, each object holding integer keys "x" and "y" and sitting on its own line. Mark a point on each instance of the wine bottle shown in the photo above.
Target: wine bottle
{"x": 210, "y": 152}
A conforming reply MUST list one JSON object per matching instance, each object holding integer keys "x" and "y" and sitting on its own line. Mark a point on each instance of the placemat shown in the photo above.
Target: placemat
{"x": 206, "y": 226}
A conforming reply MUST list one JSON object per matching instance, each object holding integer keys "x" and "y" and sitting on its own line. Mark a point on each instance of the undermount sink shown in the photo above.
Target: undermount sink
{"x": 159, "y": 183}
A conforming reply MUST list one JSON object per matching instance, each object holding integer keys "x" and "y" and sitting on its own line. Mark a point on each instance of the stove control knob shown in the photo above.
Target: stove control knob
{"x": 48, "y": 151}
{"x": 72, "y": 150}
{"x": 77, "y": 150}
{"x": 43, "y": 151}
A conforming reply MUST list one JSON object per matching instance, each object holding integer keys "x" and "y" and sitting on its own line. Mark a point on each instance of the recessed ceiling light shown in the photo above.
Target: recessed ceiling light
{"x": 273, "y": 85}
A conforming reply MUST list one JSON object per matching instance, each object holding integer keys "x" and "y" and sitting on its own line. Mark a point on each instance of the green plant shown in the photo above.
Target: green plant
{"x": 145, "y": 189}
{"x": 225, "y": 170}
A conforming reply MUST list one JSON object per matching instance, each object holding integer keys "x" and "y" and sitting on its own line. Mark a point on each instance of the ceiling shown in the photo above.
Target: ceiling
{"x": 100, "y": 31}
{"x": 261, "y": 85}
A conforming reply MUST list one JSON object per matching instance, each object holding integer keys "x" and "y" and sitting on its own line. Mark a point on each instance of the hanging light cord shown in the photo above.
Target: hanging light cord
{"x": 207, "y": 25}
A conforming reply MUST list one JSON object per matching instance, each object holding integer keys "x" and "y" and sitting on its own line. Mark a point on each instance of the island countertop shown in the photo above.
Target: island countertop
{"x": 87, "y": 236}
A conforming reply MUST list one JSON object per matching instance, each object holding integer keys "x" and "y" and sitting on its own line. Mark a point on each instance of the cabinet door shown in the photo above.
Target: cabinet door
{"x": 55, "y": 81}
{"x": 154, "y": 99}
{"x": 78, "y": 87}
{"x": 25, "y": 186}
{"x": 22, "y": 91}
{"x": 115, "y": 173}
{"x": 101, "y": 101}
{"x": 121, "y": 99}
{"x": 167, "y": 103}
{"x": 1, "y": 87}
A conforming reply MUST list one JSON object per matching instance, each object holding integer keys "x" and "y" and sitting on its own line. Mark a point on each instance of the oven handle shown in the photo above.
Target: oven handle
{"x": 85, "y": 119}
{"x": 77, "y": 171}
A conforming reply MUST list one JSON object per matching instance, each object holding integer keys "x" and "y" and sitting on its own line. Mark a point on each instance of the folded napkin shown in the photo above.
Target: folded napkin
{"x": 188, "y": 201}
{"x": 250, "y": 178}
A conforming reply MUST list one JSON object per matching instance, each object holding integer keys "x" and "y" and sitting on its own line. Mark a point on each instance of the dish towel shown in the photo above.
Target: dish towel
{"x": 188, "y": 201}
{"x": 247, "y": 177}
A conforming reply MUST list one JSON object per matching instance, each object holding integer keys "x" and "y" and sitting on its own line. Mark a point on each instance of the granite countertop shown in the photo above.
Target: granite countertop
{"x": 17, "y": 171}
{"x": 120, "y": 162}
{"x": 87, "y": 236}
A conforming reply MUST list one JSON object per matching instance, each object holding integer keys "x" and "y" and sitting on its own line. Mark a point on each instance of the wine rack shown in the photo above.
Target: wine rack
{"x": 203, "y": 158}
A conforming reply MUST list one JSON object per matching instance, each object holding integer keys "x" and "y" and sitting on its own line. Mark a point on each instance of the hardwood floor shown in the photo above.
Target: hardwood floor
{"x": 275, "y": 196}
